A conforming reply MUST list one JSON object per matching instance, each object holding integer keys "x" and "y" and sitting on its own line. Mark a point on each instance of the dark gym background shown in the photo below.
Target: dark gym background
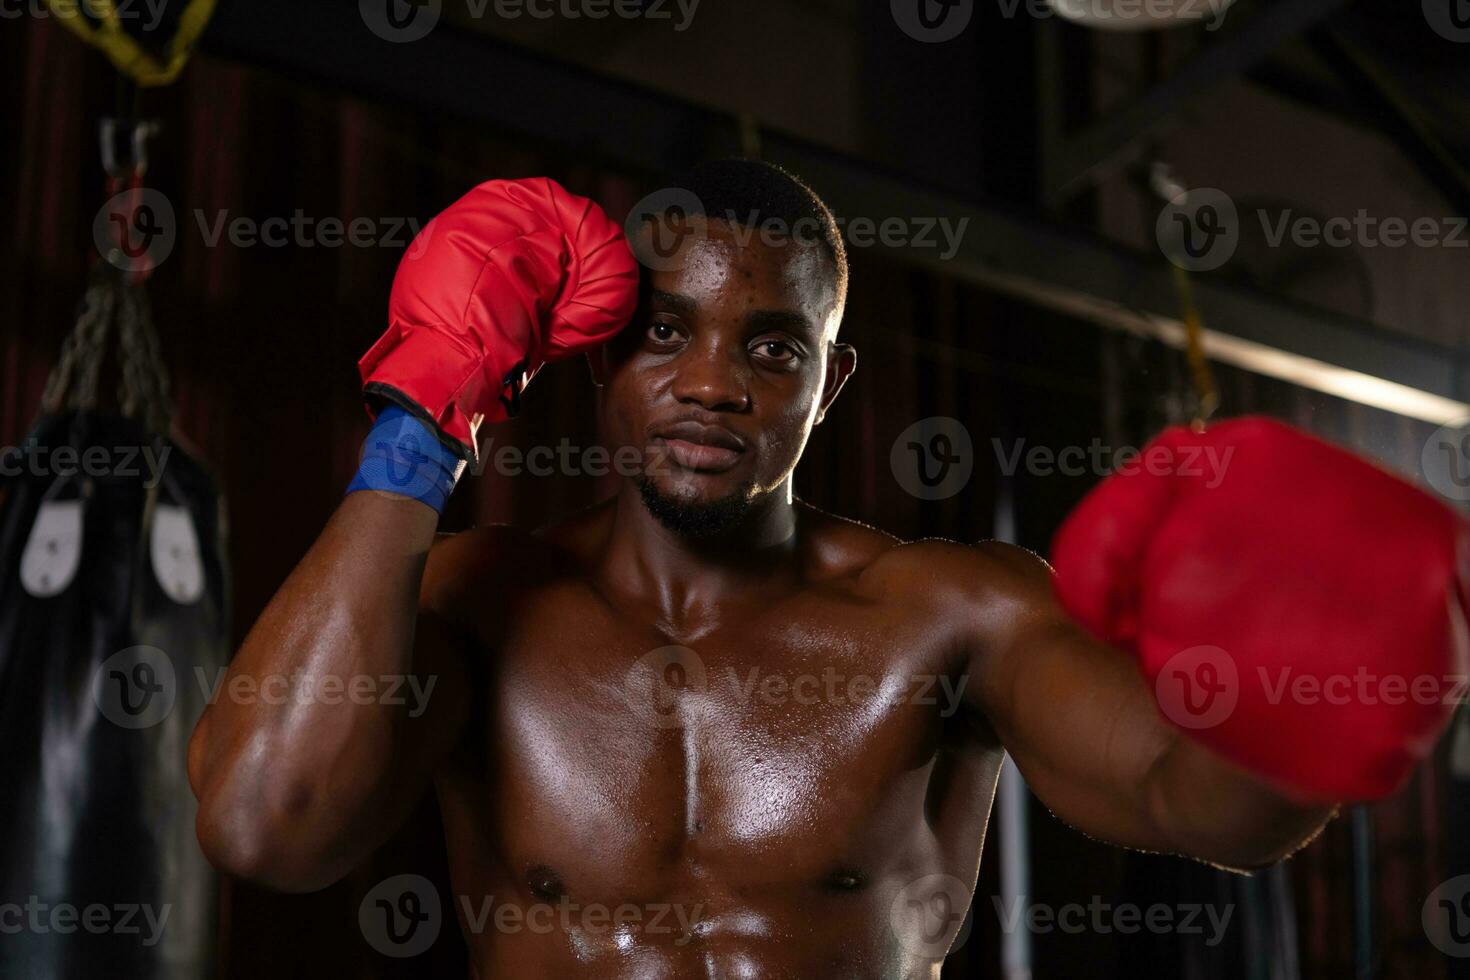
{"x": 1322, "y": 107}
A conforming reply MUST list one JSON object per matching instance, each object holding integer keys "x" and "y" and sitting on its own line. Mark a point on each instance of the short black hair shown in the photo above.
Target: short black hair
{"x": 753, "y": 192}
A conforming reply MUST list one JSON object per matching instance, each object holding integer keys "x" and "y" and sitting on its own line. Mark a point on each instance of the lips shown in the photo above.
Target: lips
{"x": 697, "y": 446}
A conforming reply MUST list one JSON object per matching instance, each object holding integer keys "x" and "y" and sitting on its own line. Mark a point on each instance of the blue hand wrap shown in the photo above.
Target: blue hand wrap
{"x": 403, "y": 456}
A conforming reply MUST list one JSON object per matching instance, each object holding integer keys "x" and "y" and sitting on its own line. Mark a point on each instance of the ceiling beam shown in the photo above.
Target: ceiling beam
{"x": 1081, "y": 159}
{"x": 631, "y": 128}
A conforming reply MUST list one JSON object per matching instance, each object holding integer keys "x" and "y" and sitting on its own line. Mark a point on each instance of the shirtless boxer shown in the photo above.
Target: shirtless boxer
{"x": 660, "y": 702}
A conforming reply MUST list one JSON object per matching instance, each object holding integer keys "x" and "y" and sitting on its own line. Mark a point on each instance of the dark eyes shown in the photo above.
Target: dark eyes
{"x": 776, "y": 350}
{"x": 662, "y": 332}
{"x": 666, "y": 335}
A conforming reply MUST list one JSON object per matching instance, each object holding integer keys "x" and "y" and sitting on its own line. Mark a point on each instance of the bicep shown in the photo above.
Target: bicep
{"x": 1075, "y": 714}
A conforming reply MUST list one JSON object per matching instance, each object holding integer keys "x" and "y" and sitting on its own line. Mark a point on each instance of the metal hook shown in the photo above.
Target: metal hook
{"x": 142, "y": 130}
{"x": 1163, "y": 182}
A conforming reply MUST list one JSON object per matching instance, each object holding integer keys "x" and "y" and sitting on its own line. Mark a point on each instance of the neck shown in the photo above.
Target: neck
{"x": 690, "y": 580}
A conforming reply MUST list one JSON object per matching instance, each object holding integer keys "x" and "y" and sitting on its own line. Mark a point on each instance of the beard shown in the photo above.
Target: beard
{"x": 697, "y": 520}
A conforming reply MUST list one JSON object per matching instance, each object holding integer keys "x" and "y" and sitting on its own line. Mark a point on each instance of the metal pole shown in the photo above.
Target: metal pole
{"x": 1011, "y": 807}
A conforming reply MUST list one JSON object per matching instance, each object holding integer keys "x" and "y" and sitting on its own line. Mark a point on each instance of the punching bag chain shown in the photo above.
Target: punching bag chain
{"x": 73, "y": 382}
{"x": 143, "y": 388}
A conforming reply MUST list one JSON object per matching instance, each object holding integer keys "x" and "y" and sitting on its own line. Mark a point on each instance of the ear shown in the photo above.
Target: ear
{"x": 841, "y": 362}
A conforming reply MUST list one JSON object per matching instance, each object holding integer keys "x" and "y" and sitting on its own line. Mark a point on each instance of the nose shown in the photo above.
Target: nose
{"x": 712, "y": 377}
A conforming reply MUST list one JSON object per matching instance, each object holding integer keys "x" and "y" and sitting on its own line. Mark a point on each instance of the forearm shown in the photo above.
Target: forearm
{"x": 1209, "y": 809}
{"x": 290, "y": 766}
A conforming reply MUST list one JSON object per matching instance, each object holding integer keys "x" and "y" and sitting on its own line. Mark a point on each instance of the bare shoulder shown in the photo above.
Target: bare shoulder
{"x": 929, "y": 571}
{"x": 839, "y": 547}
{"x": 969, "y": 583}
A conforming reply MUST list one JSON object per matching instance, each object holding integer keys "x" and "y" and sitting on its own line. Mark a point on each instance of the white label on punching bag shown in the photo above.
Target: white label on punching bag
{"x": 174, "y": 548}
{"x": 53, "y": 552}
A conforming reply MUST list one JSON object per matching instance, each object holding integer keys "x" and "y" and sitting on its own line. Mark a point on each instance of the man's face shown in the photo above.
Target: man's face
{"x": 725, "y": 369}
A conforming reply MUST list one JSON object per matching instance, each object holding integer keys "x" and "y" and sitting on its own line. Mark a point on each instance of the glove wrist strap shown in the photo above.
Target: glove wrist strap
{"x": 403, "y": 456}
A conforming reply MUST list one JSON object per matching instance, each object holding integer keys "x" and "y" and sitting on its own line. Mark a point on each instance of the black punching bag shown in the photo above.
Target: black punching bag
{"x": 113, "y": 630}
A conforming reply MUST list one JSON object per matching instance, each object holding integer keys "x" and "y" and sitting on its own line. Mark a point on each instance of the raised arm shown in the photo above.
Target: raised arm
{"x": 1084, "y": 727}
{"x": 341, "y": 703}
{"x": 1238, "y": 666}
{"x": 296, "y": 790}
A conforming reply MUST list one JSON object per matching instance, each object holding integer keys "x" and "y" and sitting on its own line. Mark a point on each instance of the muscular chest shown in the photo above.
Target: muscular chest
{"x": 806, "y": 730}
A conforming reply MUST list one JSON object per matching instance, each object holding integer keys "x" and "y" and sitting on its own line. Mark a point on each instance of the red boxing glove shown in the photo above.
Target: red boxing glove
{"x": 1298, "y": 610}
{"x": 514, "y": 275}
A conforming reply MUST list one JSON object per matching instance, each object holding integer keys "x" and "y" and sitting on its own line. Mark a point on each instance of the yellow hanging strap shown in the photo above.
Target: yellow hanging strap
{"x": 1167, "y": 187}
{"x": 1207, "y": 396}
{"x": 102, "y": 27}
